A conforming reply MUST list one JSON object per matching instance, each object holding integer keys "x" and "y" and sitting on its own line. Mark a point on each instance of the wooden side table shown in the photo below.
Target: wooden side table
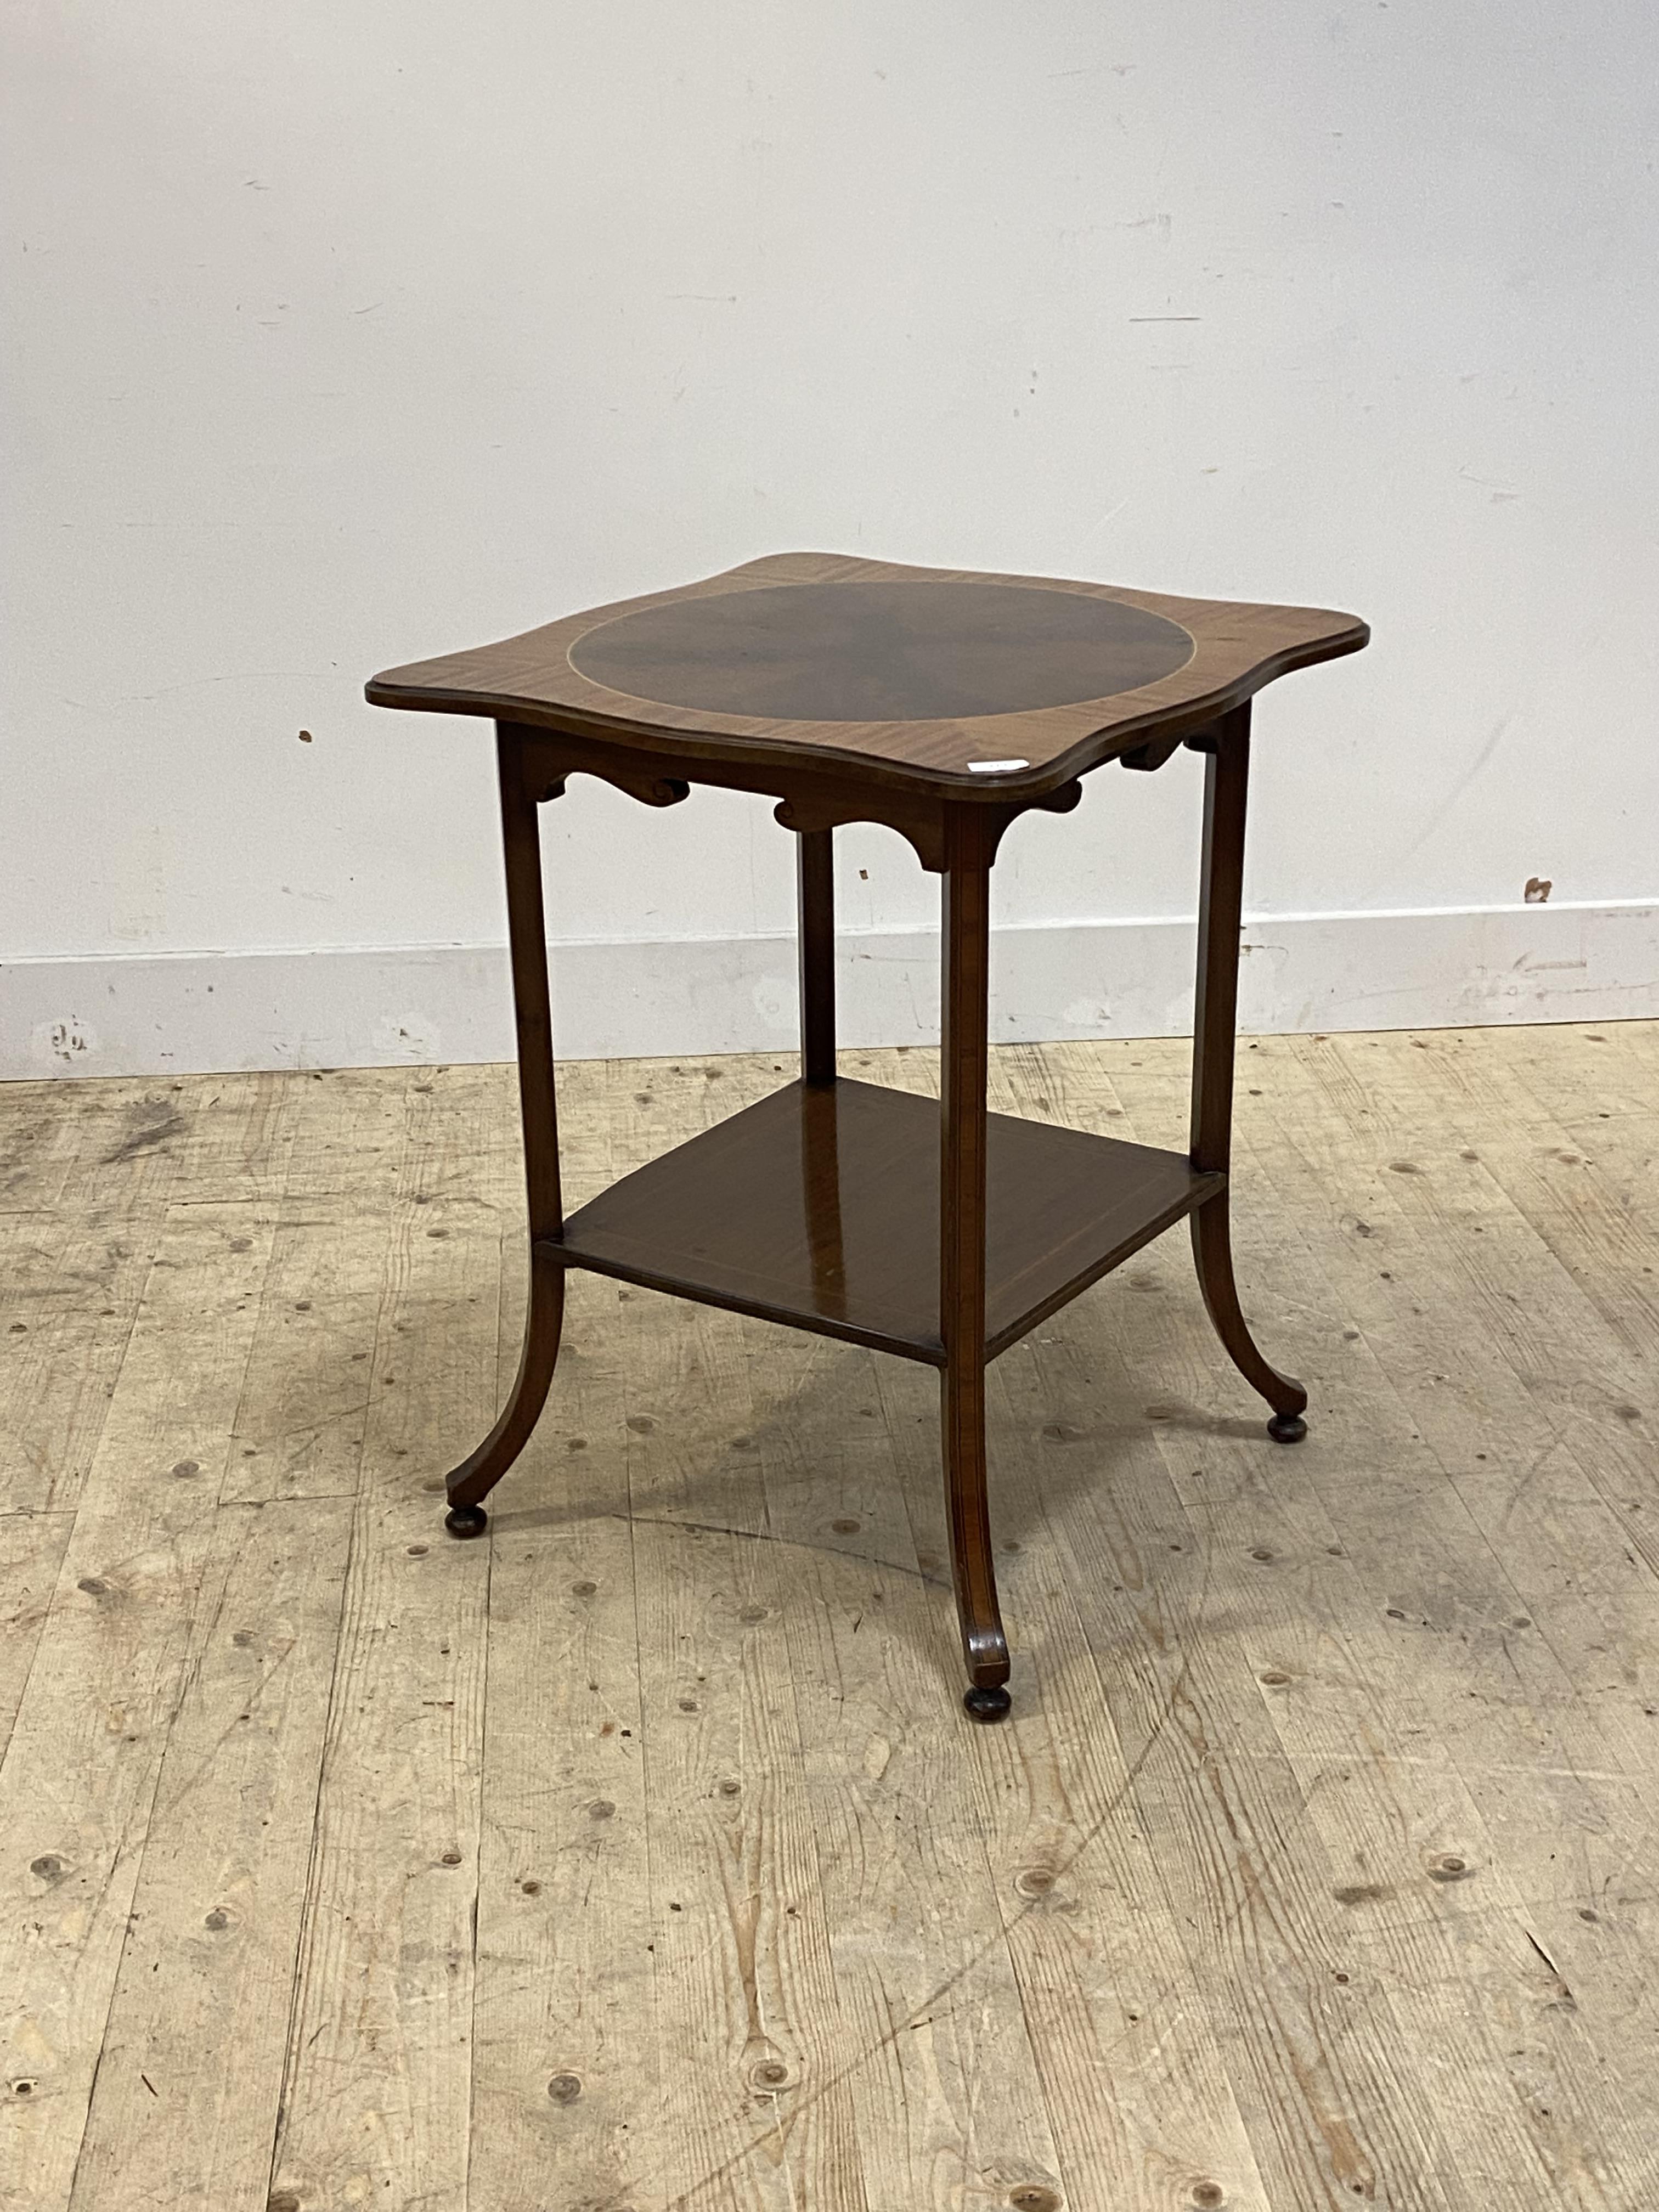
{"x": 943, "y": 703}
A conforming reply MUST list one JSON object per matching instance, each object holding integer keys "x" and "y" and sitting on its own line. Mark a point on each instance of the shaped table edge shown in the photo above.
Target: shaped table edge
{"x": 735, "y": 748}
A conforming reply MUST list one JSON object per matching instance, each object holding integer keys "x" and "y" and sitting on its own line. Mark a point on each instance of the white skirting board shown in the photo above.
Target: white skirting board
{"x": 205, "y": 1012}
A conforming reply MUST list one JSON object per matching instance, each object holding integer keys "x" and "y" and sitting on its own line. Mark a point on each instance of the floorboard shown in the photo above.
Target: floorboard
{"x": 639, "y": 1858}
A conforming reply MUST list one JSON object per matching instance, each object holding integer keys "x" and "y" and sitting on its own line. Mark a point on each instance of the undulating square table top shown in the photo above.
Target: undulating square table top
{"x": 939, "y": 676}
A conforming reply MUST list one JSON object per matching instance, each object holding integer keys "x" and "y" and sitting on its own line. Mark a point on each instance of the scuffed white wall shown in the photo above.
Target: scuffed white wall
{"x": 341, "y": 334}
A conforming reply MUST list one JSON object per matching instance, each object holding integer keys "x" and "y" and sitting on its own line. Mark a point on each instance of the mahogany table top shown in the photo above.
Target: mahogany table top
{"x": 942, "y": 679}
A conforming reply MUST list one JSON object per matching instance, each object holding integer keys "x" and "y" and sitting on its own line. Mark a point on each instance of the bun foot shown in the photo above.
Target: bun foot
{"x": 1287, "y": 1428}
{"x": 465, "y": 1520}
{"x": 986, "y": 1705}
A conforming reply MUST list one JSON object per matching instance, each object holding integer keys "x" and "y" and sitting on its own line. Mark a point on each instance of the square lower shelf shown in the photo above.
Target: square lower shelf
{"x": 819, "y": 1207}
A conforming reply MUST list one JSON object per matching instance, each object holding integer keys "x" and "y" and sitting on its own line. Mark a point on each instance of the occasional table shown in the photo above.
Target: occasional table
{"x": 943, "y": 703}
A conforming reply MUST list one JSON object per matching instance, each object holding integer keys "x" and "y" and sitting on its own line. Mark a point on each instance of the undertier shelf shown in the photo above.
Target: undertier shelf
{"x": 819, "y": 1207}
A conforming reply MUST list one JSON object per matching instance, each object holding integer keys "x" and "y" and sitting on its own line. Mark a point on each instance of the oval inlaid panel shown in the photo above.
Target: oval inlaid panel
{"x": 898, "y": 651}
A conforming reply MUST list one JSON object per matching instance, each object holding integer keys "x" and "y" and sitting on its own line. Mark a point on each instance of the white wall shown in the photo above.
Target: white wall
{"x": 345, "y": 333}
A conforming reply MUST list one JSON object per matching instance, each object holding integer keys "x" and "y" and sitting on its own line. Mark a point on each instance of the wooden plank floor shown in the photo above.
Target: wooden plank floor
{"x": 641, "y": 1856}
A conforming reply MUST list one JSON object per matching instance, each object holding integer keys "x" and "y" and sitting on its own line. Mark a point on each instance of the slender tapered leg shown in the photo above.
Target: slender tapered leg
{"x": 1226, "y": 782}
{"x": 479, "y": 1473}
{"x": 962, "y": 1258}
{"x": 815, "y": 882}
{"x": 820, "y": 1146}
